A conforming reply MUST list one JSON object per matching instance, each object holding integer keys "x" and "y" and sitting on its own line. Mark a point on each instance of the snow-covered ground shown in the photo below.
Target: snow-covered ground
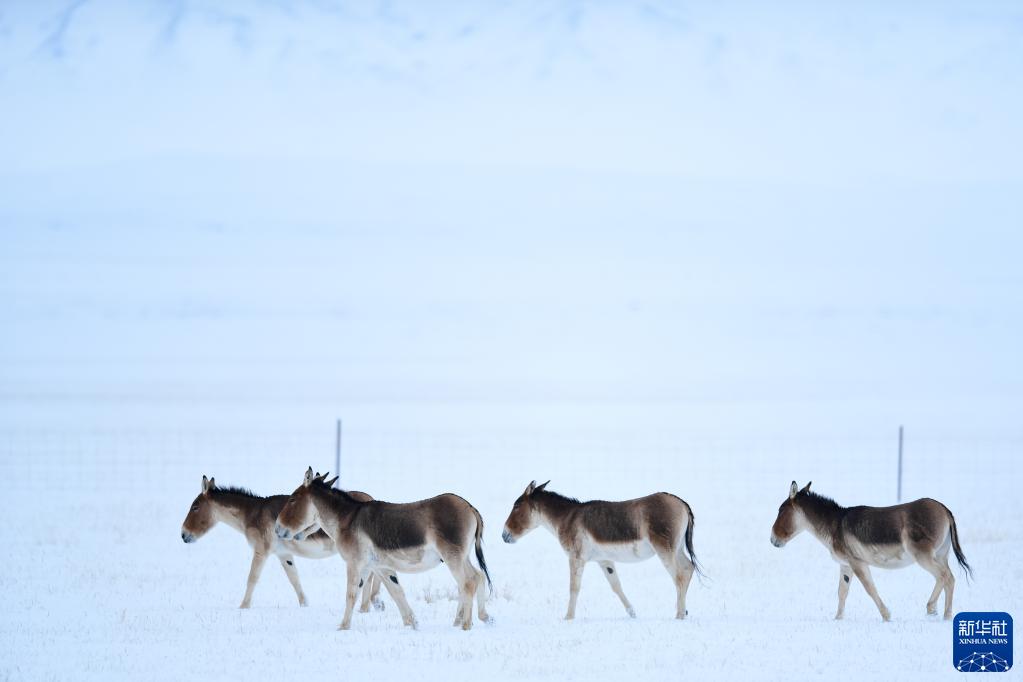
{"x": 705, "y": 249}
{"x": 98, "y": 584}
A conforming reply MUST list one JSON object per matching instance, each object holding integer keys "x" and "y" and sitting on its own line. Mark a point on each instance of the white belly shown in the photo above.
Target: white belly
{"x": 415, "y": 560}
{"x": 310, "y": 549}
{"x": 883, "y": 556}
{"x": 620, "y": 551}
{"x": 896, "y": 559}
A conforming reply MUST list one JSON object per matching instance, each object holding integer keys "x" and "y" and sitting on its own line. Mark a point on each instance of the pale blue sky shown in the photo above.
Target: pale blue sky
{"x": 582, "y": 201}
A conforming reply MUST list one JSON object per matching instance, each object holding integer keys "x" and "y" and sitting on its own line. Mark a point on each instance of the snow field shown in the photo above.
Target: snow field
{"x": 99, "y": 584}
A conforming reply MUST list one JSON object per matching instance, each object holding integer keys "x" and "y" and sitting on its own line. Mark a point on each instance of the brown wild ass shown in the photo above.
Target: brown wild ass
{"x": 919, "y": 532}
{"x": 606, "y": 532}
{"x": 385, "y": 538}
{"x": 254, "y": 517}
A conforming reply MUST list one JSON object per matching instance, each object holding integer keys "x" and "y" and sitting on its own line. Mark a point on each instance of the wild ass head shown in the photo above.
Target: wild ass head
{"x": 298, "y": 518}
{"x": 791, "y": 520}
{"x": 201, "y": 517}
{"x": 524, "y": 515}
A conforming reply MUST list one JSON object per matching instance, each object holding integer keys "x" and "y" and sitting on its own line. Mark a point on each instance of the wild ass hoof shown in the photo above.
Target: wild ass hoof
{"x": 631, "y": 611}
{"x": 244, "y": 605}
{"x": 344, "y": 626}
{"x": 487, "y": 618}
{"x": 569, "y": 616}
{"x": 839, "y": 616}
{"x": 303, "y": 603}
{"x": 886, "y": 616}
{"x": 948, "y": 616}
{"x": 467, "y": 625}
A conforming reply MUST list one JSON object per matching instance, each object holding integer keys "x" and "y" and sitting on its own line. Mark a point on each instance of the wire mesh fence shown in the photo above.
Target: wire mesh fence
{"x": 406, "y": 460}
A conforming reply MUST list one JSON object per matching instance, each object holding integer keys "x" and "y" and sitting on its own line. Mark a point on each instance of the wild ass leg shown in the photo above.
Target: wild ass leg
{"x": 862, "y": 572}
{"x": 950, "y": 587}
{"x": 364, "y": 602}
{"x": 371, "y": 585}
{"x": 929, "y": 564}
{"x": 575, "y": 578}
{"x": 687, "y": 568}
{"x": 255, "y": 569}
{"x": 288, "y": 564}
{"x": 465, "y": 577}
{"x": 932, "y": 601}
{"x": 374, "y": 595}
{"x": 390, "y": 580}
{"x": 460, "y": 611}
{"x": 608, "y": 569}
{"x": 844, "y": 578}
{"x": 681, "y": 569}
{"x": 481, "y": 597}
{"x": 356, "y": 576}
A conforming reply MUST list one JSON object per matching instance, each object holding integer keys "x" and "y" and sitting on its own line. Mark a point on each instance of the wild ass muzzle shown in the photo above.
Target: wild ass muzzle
{"x": 606, "y": 532}
{"x": 387, "y": 539}
{"x": 254, "y": 517}
{"x": 919, "y": 532}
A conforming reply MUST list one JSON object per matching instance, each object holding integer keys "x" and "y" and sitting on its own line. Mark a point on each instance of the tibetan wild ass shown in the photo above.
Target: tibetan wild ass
{"x": 387, "y": 539}
{"x": 919, "y": 532}
{"x": 607, "y": 532}
{"x": 254, "y": 517}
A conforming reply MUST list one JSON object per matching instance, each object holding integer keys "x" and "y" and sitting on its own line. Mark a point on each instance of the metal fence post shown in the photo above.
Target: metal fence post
{"x": 337, "y": 453}
{"x": 898, "y": 494}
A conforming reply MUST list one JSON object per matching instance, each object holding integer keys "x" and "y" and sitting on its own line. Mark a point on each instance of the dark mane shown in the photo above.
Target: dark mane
{"x": 817, "y": 500}
{"x": 820, "y": 510}
{"x": 558, "y": 496}
{"x": 236, "y": 490}
{"x": 336, "y": 493}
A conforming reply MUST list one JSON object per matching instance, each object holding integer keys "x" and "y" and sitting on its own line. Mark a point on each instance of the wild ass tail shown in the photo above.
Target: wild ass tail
{"x": 689, "y": 539}
{"x": 960, "y": 557}
{"x": 479, "y": 548}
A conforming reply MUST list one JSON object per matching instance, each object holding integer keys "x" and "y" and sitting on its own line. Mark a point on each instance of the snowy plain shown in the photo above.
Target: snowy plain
{"x": 100, "y": 585}
{"x": 705, "y": 249}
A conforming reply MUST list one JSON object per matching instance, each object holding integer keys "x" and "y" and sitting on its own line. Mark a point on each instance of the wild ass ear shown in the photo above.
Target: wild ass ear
{"x": 806, "y": 488}
{"x": 331, "y": 482}
{"x": 542, "y": 486}
{"x": 321, "y": 477}
{"x": 530, "y": 488}
{"x": 793, "y": 489}
{"x": 309, "y": 476}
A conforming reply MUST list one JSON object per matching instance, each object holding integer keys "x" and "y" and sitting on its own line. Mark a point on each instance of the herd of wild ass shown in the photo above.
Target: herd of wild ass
{"x": 378, "y": 540}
